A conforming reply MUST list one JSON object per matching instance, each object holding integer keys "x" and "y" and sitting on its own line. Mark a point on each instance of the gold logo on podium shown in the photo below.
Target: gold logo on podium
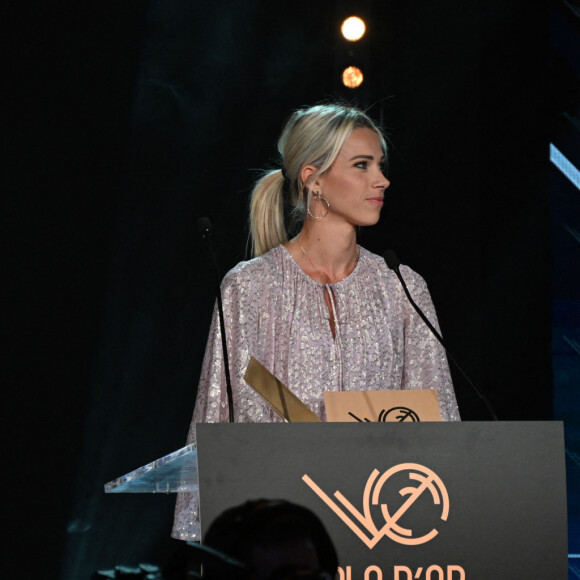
{"x": 422, "y": 481}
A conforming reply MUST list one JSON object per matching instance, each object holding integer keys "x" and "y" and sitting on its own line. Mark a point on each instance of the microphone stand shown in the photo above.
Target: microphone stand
{"x": 206, "y": 231}
{"x": 394, "y": 264}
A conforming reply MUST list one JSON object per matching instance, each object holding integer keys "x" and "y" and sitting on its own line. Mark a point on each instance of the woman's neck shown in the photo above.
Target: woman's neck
{"x": 325, "y": 252}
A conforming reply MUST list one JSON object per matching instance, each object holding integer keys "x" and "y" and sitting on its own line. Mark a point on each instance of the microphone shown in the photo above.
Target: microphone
{"x": 394, "y": 264}
{"x": 206, "y": 231}
{"x": 205, "y": 228}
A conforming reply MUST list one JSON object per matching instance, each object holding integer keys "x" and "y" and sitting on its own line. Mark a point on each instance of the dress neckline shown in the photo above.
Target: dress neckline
{"x": 362, "y": 256}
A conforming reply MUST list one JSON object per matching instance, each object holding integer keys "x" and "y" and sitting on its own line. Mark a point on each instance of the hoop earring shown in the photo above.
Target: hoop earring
{"x": 319, "y": 197}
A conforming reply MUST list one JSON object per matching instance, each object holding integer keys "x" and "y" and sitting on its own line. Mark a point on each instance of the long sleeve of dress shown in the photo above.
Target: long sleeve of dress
{"x": 425, "y": 362}
{"x": 211, "y": 404}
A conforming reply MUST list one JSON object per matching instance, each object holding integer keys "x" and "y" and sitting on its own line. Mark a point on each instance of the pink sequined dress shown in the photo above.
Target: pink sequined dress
{"x": 275, "y": 312}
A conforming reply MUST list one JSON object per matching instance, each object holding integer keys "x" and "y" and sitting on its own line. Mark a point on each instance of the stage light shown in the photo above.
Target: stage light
{"x": 353, "y": 28}
{"x": 352, "y": 77}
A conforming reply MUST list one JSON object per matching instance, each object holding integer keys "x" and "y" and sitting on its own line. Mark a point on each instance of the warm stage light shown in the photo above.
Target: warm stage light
{"x": 352, "y": 77}
{"x": 353, "y": 28}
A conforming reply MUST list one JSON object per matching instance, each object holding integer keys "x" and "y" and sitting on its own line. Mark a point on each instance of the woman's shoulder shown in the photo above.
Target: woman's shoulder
{"x": 376, "y": 265}
{"x": 262, "y": 269}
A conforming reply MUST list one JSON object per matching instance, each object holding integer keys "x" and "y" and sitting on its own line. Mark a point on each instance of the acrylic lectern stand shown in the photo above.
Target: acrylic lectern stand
{"x": 427, "y": 501}
{"x": 169, "y": 474}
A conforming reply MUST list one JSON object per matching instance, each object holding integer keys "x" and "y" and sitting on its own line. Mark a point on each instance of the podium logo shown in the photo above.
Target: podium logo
{"x": 424, "y": 485}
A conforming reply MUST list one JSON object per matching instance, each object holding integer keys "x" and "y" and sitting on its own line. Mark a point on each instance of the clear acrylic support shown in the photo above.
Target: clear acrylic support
{"x": 169, "y": 474}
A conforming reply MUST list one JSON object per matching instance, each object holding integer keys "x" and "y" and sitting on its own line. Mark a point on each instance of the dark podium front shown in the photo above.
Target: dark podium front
{"x": 405, "y": 501}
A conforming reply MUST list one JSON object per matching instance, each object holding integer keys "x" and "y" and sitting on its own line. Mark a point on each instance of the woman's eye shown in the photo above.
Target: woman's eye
{"x": 361, "y": 164}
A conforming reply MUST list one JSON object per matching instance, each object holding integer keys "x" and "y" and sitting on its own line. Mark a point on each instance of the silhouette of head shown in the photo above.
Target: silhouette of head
{"x": 270, "y": 540}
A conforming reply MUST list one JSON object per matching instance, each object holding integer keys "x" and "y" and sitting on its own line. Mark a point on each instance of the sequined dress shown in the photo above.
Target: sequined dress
{"x": 275, "y": 312}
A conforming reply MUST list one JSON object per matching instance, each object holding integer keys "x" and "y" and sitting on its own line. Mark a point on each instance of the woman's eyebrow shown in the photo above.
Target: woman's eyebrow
{"x": 371, "y": 157}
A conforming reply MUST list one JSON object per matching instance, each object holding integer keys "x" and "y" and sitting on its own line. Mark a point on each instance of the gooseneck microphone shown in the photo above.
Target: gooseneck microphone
{"x": 206, "y": 232}
{"x": 394, "y": 264}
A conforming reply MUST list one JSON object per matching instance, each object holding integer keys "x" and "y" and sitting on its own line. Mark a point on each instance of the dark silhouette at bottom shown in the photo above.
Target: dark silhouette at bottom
{"x": 268, "y": 540}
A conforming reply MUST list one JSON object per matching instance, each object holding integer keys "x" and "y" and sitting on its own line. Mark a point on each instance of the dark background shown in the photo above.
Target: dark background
{"x": 126, "y": 122}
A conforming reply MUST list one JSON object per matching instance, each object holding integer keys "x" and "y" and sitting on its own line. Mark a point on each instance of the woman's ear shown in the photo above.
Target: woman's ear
{"x": 307, "y": 173}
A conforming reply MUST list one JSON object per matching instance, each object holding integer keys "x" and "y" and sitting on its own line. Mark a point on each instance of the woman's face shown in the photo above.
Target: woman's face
{"x": 355, "y": 185}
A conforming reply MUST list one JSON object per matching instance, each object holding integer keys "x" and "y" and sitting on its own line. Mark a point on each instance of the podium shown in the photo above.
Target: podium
{"x": 401, "y": 501}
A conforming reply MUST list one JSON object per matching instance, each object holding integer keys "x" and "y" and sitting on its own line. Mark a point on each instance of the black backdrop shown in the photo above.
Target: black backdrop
{"x": 126, "y": 122}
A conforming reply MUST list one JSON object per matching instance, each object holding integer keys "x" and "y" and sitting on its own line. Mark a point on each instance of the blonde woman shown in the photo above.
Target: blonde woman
{"x": 318, "y": 311}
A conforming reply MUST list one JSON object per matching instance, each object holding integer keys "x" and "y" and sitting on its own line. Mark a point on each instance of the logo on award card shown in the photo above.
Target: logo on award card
{"x": 406, "y": 503}
{"x": 401, "y": 414}
{"x": 395, "y": 415}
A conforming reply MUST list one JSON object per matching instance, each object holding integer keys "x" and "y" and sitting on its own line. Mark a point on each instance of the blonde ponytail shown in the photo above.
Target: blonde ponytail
{"x": 267, "y": 228}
